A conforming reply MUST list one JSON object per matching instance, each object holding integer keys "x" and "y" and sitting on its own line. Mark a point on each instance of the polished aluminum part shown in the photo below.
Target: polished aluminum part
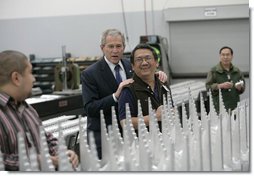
{"x": 45, "y": 160}
{"x": 63, "y": 158}
{"x": 188, "y": 141}
{"x": 24, "y": 164}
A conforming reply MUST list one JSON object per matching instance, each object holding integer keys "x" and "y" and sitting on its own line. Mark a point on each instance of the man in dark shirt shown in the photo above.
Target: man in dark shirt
{"x": 146, "y": 85}
{"x": 228, "y": 78}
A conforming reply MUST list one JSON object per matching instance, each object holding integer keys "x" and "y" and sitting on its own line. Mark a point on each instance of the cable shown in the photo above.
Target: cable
{"x": 125, "y": 25}
{"x": 145, "y": 16}
{"x": 153, "y": 25}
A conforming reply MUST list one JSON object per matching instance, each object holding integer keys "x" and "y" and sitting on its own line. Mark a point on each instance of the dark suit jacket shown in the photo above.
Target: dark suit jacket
{"x": 98, "y": 85}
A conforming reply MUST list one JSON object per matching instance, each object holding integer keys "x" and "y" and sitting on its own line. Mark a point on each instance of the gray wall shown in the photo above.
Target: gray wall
{"x": 195, "y": 45}
{"x": 195, "y": 39}
{"x": 81, "y": 33}
{"x": 193, "y": 42}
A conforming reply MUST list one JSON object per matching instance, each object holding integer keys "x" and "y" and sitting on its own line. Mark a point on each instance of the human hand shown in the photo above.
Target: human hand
{"x": 122, "y": 85}
{"x": 162, "y": 76}
{"x": 225, "y": 85}
{"x": 73, "y": 158}
{"x": 158, "y": 113}
{"x": 54, "y": 160}
{"x": 239, "y": 85}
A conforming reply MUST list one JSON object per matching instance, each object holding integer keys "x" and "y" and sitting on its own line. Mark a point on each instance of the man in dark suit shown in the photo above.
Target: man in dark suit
{"x": 101, "y": 86}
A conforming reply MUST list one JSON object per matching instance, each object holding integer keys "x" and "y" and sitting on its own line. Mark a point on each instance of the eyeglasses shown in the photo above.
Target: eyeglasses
{"x": 139, "y": 60}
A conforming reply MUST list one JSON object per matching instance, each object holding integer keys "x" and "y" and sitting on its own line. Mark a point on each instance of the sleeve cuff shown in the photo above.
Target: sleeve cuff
{"x": 114, "y": 97}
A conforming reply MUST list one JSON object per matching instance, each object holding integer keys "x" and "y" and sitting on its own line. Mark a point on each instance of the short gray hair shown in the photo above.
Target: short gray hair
{"x": 112, "y": 32}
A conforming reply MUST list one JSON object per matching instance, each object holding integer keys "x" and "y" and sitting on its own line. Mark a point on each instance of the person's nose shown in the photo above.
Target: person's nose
{"x": 144, "y": 61}
{"x": 34, "y": 79}
{"x": 115, "y": 49}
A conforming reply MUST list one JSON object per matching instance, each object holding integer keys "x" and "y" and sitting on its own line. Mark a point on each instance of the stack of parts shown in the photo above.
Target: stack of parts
{"x": 213, "y": 142}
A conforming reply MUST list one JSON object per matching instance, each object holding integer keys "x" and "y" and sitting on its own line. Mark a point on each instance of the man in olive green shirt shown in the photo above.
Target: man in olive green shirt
{"x": 228, "y": 78}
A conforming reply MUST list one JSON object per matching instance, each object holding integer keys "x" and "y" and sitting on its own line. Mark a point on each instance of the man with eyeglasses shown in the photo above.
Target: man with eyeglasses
{"x": 103, "y": 82}
{"x": 146, "y": 85}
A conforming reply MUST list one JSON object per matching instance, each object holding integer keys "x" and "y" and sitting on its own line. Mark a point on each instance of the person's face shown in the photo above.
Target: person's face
{"x": 26, "y": 82}
{"x": 144, "y": 63}
{"x": 113, "y": 49}
{"x": 226, "y": 57}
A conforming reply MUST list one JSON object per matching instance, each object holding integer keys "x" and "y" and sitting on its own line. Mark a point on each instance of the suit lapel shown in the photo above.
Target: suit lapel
{"x": 107, "y": 74}
{"x": 128, "y": 69}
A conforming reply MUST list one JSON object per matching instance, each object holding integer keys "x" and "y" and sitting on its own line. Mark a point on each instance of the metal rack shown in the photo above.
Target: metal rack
{"x": 44, "y": 70}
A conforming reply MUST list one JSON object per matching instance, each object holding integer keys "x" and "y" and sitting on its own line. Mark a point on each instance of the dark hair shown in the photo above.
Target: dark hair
{"x": 143, "y": 46}
{"x": 226, "y": 47}
{"x": 11, "y": 61}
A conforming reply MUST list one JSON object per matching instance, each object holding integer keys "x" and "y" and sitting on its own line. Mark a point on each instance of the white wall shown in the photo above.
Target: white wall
{"x": 45, "y": 8}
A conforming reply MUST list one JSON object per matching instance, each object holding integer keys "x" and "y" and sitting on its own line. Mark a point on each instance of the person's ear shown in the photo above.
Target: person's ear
{"x": 15, "y": 78}
{"x": 102, "y": 46}
{"x": 132, "y": 66}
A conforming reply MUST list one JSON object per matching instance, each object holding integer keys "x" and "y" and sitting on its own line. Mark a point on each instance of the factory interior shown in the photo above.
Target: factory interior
{"x": 61, "y": 39}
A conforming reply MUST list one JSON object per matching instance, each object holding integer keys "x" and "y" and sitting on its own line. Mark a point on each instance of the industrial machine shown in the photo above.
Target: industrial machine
{"x": 50, "y": 105}
{"x": 48, "y": 73}
{"x": 72, "y": 76}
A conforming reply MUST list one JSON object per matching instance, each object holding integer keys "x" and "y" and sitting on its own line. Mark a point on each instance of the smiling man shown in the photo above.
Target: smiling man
{"x": 144, "y": 61}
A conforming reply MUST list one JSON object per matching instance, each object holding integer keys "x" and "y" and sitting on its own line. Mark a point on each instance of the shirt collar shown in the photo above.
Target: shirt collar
{"x": 220, "y": 68}
{"x": 141, "y": 84}
{"x": 5, "y": 99}
{"x": 111, "y": 65}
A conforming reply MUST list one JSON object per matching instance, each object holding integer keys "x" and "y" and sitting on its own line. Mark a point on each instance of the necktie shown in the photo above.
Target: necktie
{"x": 118, "y": 76}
